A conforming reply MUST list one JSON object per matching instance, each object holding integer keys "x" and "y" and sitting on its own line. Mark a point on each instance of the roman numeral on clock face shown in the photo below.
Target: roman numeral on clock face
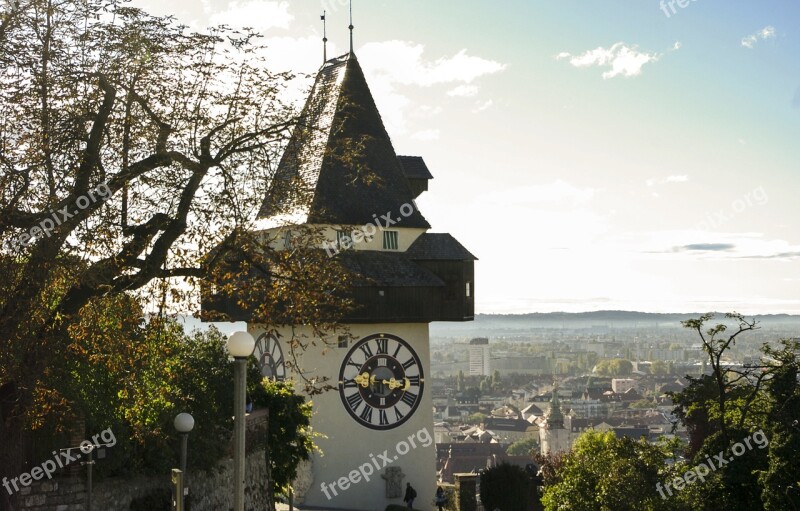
{"x": 366, "y": 413}
{"x": 409, "y": 398}
{"x": 365, "y": 348}
{"x": 383, "y": 418}
{"x": 383, "y": 346}
{"x": 410, "y": 362}
{"x": 354, "y": 400}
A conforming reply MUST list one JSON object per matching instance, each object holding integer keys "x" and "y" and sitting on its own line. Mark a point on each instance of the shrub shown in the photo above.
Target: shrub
{"x": 506, "y": 487}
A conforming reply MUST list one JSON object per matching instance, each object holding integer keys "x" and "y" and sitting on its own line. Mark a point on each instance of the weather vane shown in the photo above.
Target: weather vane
{"x": 351, "y": 26}
{"x": 324, "y": 36}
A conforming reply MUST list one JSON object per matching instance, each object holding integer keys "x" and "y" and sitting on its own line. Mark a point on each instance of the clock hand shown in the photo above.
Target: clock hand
{"x": 395, "y": 384}
{"x": 363, "y": 379}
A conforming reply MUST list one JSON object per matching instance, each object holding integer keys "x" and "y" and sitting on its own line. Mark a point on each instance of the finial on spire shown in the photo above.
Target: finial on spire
{"x": 351, "y": 26}
{"x": 324, "y": 36}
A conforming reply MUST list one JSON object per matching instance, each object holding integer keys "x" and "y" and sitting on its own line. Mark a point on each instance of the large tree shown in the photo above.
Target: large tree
{"x": 730, "y": 405}
{"x": 133, "y": 155}
{"x": 606, "y": 473}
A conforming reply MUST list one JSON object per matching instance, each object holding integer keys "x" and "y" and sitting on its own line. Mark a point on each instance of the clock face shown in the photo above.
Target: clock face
{"x": 270, "y": 358}
{"x": 381, "y": 381}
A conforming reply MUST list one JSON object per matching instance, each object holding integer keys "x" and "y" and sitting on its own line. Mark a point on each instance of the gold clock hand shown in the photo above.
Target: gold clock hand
{"x": 363, "y": 379}
{"x": 393, "y": 383}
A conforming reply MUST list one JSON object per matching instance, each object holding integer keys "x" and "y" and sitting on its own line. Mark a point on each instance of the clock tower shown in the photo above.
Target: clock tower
{"x": 341, "y": 175}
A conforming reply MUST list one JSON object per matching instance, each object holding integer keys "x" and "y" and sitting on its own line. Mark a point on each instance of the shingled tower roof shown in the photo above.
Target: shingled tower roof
{"x": 340, "y": 166}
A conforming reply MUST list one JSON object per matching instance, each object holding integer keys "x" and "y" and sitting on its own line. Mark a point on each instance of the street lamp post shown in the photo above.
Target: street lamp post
{"x": 240, "y": 346}
{"x": 184, "y": 423}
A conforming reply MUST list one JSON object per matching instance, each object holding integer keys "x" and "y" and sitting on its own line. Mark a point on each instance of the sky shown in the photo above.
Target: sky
{"x": 594, "y": 155}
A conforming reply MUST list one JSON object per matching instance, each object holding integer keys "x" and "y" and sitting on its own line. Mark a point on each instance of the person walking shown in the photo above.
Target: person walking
{"x": 441, "y": 500}
{"x": 411, "y": 494}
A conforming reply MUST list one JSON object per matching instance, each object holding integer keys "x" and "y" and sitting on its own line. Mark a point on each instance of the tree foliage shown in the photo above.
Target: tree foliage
{"x": 134, "y": 154}
{"x": 728, "y": 406}
{"x": 523, "y": 447}
{"x": 290, "y": 438}
{"x": 606, "y": 473}
{"x": 614, "y": 367}
{"x": 659, "y": 368}
{"x": 507, "y": 487}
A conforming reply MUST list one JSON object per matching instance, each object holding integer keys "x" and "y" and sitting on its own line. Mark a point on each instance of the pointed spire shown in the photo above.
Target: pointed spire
{"x": 351, "y": 27}
{"x": 324, "y": 36}
{"x": 555, "y": 417}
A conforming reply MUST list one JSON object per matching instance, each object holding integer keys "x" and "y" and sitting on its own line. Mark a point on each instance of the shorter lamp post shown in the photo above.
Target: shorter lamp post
{"x": 184, "y": 423}
{"x": 240, "y": 346}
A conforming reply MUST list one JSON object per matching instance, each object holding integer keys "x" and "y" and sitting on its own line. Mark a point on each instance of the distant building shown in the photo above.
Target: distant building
{"x": 553, "y": 436}
{"x": 622, "y": 385}
{"x": 479, "y": 357}
{"x": 508, "y": 431}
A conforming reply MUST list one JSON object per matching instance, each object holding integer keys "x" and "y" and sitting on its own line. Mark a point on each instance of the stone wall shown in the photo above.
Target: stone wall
{"x": 210, "y": 491}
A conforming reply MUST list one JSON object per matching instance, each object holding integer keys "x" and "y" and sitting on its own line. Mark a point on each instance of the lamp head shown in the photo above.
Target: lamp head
{"x": 241, "y": 345}
{"x": 184, "y": 422}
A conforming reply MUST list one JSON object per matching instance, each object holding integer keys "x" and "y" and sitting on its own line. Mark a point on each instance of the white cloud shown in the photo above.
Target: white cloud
{"x": 393, "y": 67}
{"x": 259, "y": 15}
{"x": 483, "y": 106}
{"x": 428, "y": 111}
{"x": 669, "y": 179}
{"x": 426, "y": 135}
{"x": 464, "y": 91}
{"x": 621, "y": 59}
{"x": 402, "y": 63}
{"x": 763, "y": 34}
{"x": 302, "y": 55}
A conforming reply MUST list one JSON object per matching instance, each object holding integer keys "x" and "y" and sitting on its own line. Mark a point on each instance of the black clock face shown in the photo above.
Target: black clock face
{"x": 381, "y": 381}
{"x": 270, "y": 357}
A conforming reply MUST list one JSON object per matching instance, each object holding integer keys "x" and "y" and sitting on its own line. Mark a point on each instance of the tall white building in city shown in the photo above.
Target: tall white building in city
{"x": 479, "y": 357}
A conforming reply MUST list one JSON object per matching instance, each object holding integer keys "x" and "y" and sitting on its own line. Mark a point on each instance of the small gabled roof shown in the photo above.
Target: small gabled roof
{"x": 414, "y": 167}
{"x": 438, "y": 246}
{"x": 340, "y": 166}
{"x": 533, "y": 410}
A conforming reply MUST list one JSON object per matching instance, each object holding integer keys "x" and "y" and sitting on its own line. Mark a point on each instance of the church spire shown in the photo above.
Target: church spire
{"x": 555, "y": 419}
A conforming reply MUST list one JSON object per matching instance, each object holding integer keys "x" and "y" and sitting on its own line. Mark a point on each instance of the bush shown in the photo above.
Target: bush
{"x": 506, "y": 487}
